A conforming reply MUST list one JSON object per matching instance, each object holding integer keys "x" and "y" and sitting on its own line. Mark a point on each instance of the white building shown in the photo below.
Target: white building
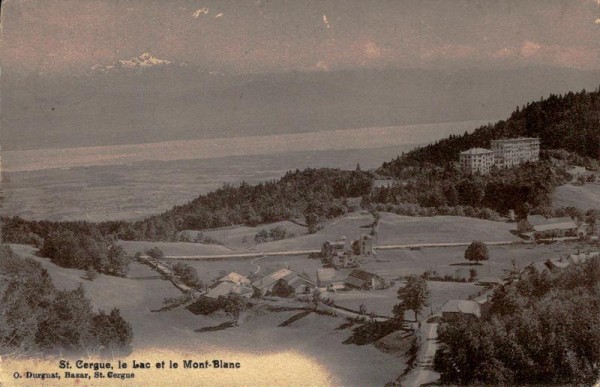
{"x": 514, "y": 151}
{"x": 477, "y": 160}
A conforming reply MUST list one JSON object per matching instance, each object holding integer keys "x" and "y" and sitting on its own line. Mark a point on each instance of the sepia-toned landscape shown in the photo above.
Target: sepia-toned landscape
{"x": 400, "y": 194}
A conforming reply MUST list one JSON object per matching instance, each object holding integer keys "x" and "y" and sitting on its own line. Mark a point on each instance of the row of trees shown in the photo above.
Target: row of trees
{"x": 80, "y": 251}
{"x": 34, "y": 315}
{"x": 544, "y": 329}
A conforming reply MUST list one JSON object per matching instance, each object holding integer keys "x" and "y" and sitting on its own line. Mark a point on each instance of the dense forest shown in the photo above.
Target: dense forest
{"x": 542, "y": 330}
{"x": 570, "y": 122}
{"x": 35, "y": 316}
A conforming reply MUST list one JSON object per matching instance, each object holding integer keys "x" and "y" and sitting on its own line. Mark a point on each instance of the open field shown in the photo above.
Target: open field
{"x": 175, "y": 248}
{"x": 450, "y": 260}
{"x": 393, "y": 230}
{"x": 242, "y": 237}
{"x": 381, "y": 302}
{"x": 311, "y": 342}
{"x": 396, "y": 229}
{"x": 348, "y": 226}
{"x": 584, "y": 197}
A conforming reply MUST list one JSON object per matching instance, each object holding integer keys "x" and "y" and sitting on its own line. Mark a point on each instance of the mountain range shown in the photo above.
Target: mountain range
{"x": 147, "y": 99}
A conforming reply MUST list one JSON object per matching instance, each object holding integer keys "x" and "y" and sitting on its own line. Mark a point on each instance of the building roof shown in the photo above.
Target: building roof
{"x": 476, "y": 151}
{"x": 462, "y": 306}
{"x": 537, "y": 267}
{"x": 556, "y": 263}
{"x": 356, "y": 282}
{"x": 540, "y": 223}
{"x": 271, "y": 278}
{"x": 363, "y": 275}
{"x": 235, "y": 278}
{"x": 582, "y": 257}
{"x": 224, "y": 288}
{"x": 518, "y": 139}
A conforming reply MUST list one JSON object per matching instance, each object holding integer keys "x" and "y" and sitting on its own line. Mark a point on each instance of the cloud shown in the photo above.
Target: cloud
{"x": 597, "y": 21}
{"x": 219, "y": 15}
{"x": 325, "y": 21}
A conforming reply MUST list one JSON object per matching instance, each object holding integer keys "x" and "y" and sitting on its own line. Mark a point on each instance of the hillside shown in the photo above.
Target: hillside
{"x": 570, "y": 122}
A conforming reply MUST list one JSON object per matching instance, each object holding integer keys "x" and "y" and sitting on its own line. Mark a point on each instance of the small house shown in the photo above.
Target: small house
{"x": 329, "y": 248}
{"x": 364, "y": 245}
{"x": 536, "y": 267}
{"x": 454, "y": 308}
{"x": 344, "y": 260}
{"x": 231, "y": 283}
{"x": 284, "y": 277}
{"x": 363, "y": 280}
{"x": 554, "y": 264}
{"x": 553, "y": 227}
{"x": 577, "y": 259}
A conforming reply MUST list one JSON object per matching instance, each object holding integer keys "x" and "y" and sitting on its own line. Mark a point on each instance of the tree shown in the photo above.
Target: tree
{"x": 311, "y": 221}
{"x": 399, "y": 311}
{"x": 234, "y": 306}
{"x": 477, "y": 251}
{"x": 524, "y": 226}
{"x": 117, "y": 261}
{"x": 472, "y": 275}
{"x": 111, "y": 331}
{"x": 91, "y": 274}
{"x": 414, "y": 295}
{"x": 261, "y": 236}
{"x": 155, "y": 253}
{"x": 282, "y": 289}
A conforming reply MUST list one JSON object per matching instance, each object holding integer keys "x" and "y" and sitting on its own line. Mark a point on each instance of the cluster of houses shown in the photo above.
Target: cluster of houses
{"x": 328, "y": 279}
{"x": 559, "y": 263}
{"x": 473, "y": 308}
{"x": 340, "y": 254}
{"x": 504, "y": 153}
{"x": 344, "y": 255}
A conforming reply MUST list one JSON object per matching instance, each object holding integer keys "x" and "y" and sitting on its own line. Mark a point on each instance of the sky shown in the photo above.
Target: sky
{"x": 260, "y": 36}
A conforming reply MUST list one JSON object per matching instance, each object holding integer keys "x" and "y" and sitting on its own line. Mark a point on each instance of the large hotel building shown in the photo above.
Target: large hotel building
{"x": 504, "y": 153}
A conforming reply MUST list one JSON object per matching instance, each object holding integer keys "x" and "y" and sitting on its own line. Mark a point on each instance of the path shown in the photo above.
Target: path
{"x": 306, "y": 252}
{"x": 256, "y": 264}
{"x": 423, "y": 373}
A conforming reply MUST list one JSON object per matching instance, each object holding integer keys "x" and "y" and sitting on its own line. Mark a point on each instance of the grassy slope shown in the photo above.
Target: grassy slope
{"x": 397, "y": 229}
{"x": 175, "y": 248}
{"x": 348, "y": 226}
{"x": 233, "y": 237}
{"x": 584, "y": 197}
{"x": 312, "y": 340}
{"x": 382, "y": 301}
{"x": 393, "y": 229}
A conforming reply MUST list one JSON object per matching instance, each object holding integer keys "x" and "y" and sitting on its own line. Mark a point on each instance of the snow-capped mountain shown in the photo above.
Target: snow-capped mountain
{"x": 145, "y": 60}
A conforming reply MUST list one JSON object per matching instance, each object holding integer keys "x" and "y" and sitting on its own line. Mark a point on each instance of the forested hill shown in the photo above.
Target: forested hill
{"x": 570, "y": 122}
{"x": 310, "y": 195}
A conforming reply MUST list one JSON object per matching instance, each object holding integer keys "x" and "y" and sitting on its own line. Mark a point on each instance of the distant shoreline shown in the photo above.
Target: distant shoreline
{"x": 365, "y": 138}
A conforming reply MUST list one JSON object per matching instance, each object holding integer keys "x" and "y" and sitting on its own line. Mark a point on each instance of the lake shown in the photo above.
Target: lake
{"x": 134, "y": 181}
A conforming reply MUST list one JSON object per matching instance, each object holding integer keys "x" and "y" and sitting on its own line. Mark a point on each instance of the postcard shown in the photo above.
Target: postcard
{"x": 299, "y": 193}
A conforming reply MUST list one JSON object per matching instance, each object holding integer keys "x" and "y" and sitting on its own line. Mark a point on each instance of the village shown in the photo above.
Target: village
{"x": 359, "y": 278}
